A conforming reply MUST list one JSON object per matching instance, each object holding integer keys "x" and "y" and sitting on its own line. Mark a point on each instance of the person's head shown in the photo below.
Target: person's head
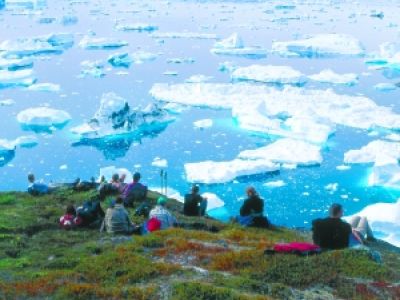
{"x": 122, "y": 178}
{"x": 162, "y": 201}
{"x": 251, "y": 191}
{"x": 336, "y": 210}
{"x": 70, "y": 210}
{"x": 119, "y": 200}
{"x": 31, "y": 178}
{"x": 136, "y": 177}
{"x": 195, "y": 189}
{"x": 115, "y": 177}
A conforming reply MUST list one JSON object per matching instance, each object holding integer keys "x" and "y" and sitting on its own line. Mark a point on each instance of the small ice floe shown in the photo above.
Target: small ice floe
{"x": 328, "y": 76}
{"x": 94, "y": 43}
{"x": 159, "y": 162}
{"x": 320, "y": 45}
{"x": 186, "y": 60}
{"x": 388, "y": 58}
{"x": 19, "y": 78}
{"x": 170, "y": 73}
{"x": 393, "y": 137}
{"x": 204, "y": 123}
{"x": 25, "y": 141}
{"x": 63, "y": 167}
{"x": 332, "y": 187}
{"x": 140, "y": 57}
{"x": 233, "y": 45}
{"x": 184, "y": 35}
{"x": 109, "y": 171}
{"x": 45, "y": 87}
{"x": 269, "y": 74}
{"x": 14, "y": 64}
{"x": 92, "y": 68}
{"x": 343, "y": 168}
{"x": 120, "y": 60}
{"x": 199, "y": 78}
{"x": 69, "y": 20}
{"x": 227, "y": 66}
{"x": 377, "y": 14}
{"x": 43, "y": 118}
{"x": 135, "y": 27}
{"x": 274, "y": 184}
{"x": 384, "y": 218}
{"x": 7, "y": 102}
{"x": 385, "y": 87}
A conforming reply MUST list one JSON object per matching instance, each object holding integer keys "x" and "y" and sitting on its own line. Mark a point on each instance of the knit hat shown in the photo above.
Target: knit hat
{"x": 161, "y": 200}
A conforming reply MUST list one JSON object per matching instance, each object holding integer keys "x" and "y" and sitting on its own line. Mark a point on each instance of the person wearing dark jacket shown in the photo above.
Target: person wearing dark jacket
{"x": 251, "y": 212}
{"x": 194, "y": 204}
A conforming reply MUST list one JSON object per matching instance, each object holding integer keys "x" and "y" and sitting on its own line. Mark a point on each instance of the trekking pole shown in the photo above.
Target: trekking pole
{"x": 161, "y": 180}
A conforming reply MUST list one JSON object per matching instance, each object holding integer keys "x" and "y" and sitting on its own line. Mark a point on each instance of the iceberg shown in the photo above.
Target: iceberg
{"x": 199, "y": 78}
{"x": 233, "y": 45}
{"x": 269, "y": 74}
{"x": 8, "y": 147}
{"x": 43, "y": 118}
{"x": 388, "y": 58}
{"x": 140, "y": 57}
{"x": 328, "y": 76}
{"x": 45, "y": 87}
{"x": 204, "y": 123}
{"x": 384, "y": 218}
{"x": 386, "y": 174}
{"x": 20, "y": 78}
{"x": 120, "y": 60}
{"x": 186, "y": 60}
{"x": 385, "y": 87}
{"x": 274, "y": 184}
{"x": 135, "y": 27}
{"x": 91, "y": 43}
{"x": 375, "y": 151}
{"x": 115, "y": 117}
{"x": 159, "y": 162}
{"x": 320, "y": 45}
{"x": 14, "y": 64}
{"x": 7, "y": 102}
{"x": 213, "y": 201}
{"x": 92, "y": 68}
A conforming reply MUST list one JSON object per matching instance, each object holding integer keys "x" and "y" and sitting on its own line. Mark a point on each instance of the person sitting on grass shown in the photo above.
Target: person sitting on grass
{"x": 134, "y": 192}
{"x": 69, "y": 220}
{"x": 117, "y": 219}
{"x": 37, "y": 188}
{"x": 251, "y": 212}
{"x": 162, "y": 214}
{"x": 334, "y": 233}
{"x": 90, "y": 213}
{"x": 194, "y": 204}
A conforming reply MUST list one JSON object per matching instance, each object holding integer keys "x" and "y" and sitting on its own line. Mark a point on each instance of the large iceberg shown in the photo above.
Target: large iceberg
{"x": 252, "y": 162}
{"x": 388, "y": 57}
{"x": 320, "y": 45}
{"x": 22, "y": 78}
{"x": 115, "y": 117}
{"x": 43, "y": 118}
{"x": 384, "y": 219}
{"x": 93, "y": 43}
{"x": 328, "y": 76}
{"x": 269, "y": 74}
{"x": 233, "y": 45}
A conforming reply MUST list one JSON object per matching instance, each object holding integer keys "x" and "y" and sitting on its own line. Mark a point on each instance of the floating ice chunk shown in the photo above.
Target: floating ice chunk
{"x": 386, "y": 174}
{"x": 332, "y": 187}
{"x": 140, "y": 57}
{"x": 320, "y": 45}
{"x": 63, "y": 40}
{"x": 385, "y": 87}
{"x": 27, "y": 141}
{"x": 376, "y": 14}
{"x": 199, "y": 78}
{"x": 120, "y": 60}
{"x": 91, "y": 43}
{"x": 274, "y": 184}
{"x": 227, "y": 66}
{"x": 13, "y": 64}
{"x": 328, "y": 76}
{"x": 92, "y": 68}
{"x": 384, "y": 218}
{"x": 170, "y": 73}
{"x": 43, "y": 118}
{"x": 213, "y": 201}
{"x": 204, "y": 123}
{"x": 159, "y": 162}
{"x": 115, "y": 117}
{"x": 187, "y": 60}
{"x": 393, "y": 137}
{"x": 286, "y": 151}
{"x": 373, "y": 152}
{"x": 234, "y": 45}
{"x": 135, "y": 27}
{"x": 16, "y": 78}
{"x": 63, "y": 167}
{"x": 387, "y": 58}
{"x": 108, "y": 172}
{"x": 45, "y": 87}
{"x": 343, "y": 168}
{"x": 184, "y": 35}
{"x": 69, "y": 20}
{"x": 221, "y": 172}
{"x": 7, "y": 102}
{"x": 269, "y": 74}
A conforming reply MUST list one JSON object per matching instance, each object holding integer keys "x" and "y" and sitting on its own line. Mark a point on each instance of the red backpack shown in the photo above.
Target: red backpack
{"x": 300, "y": 248}
{"x": 153, "y": 224}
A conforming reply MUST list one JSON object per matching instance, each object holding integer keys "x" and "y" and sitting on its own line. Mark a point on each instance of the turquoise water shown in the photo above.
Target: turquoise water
{"x": 304, "y": 196}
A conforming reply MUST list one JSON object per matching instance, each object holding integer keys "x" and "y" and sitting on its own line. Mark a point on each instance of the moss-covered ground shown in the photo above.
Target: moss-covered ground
{"x": 202, "y": 259}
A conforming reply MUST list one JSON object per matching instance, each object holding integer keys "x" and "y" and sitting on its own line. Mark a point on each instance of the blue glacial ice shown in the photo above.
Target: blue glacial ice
{"x": 121, "y": 26}
{"x": 385, "y": 87}
{"x": 269, "y": 74}
{"x": 14, "y": 64}
{"x": 43, "y": 119}
{"x": 92, "y": 69}
{"x": 96, "y": 43}
{"x": 123, "y": 60}
{"x": 329, "y": 76}
{"x": 19, "y": 78}
{"x": 45, "y": 87}
{"x": 8, "y": 147}
{"x": 233, "y": 45}
{"x": 321, "y": 45}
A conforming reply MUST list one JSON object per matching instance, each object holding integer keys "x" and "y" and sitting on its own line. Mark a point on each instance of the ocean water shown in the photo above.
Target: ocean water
{"x": 60, "y": 156}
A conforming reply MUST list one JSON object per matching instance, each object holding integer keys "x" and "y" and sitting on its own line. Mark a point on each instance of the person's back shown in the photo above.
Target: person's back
{"x": 191, "y": 204}
{"x": 253, "y": 205}
{"x": 332, "y": 232}
{"x": 36, "y": 188}
{"x": 162, "y": 214}
{"x": 134, "y": 192}
{"x": 90, "y": 213}
{"x": 117, "y": 219}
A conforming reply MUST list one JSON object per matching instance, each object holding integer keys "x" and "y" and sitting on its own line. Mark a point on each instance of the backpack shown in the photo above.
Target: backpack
{"x": 299, "y": 248}
{"x": 153, "y": 224}
{"x": 88, "y": 212}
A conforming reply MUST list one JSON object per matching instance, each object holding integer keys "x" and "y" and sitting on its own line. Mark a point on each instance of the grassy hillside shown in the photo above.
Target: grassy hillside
{"x": 203, "y": 259}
